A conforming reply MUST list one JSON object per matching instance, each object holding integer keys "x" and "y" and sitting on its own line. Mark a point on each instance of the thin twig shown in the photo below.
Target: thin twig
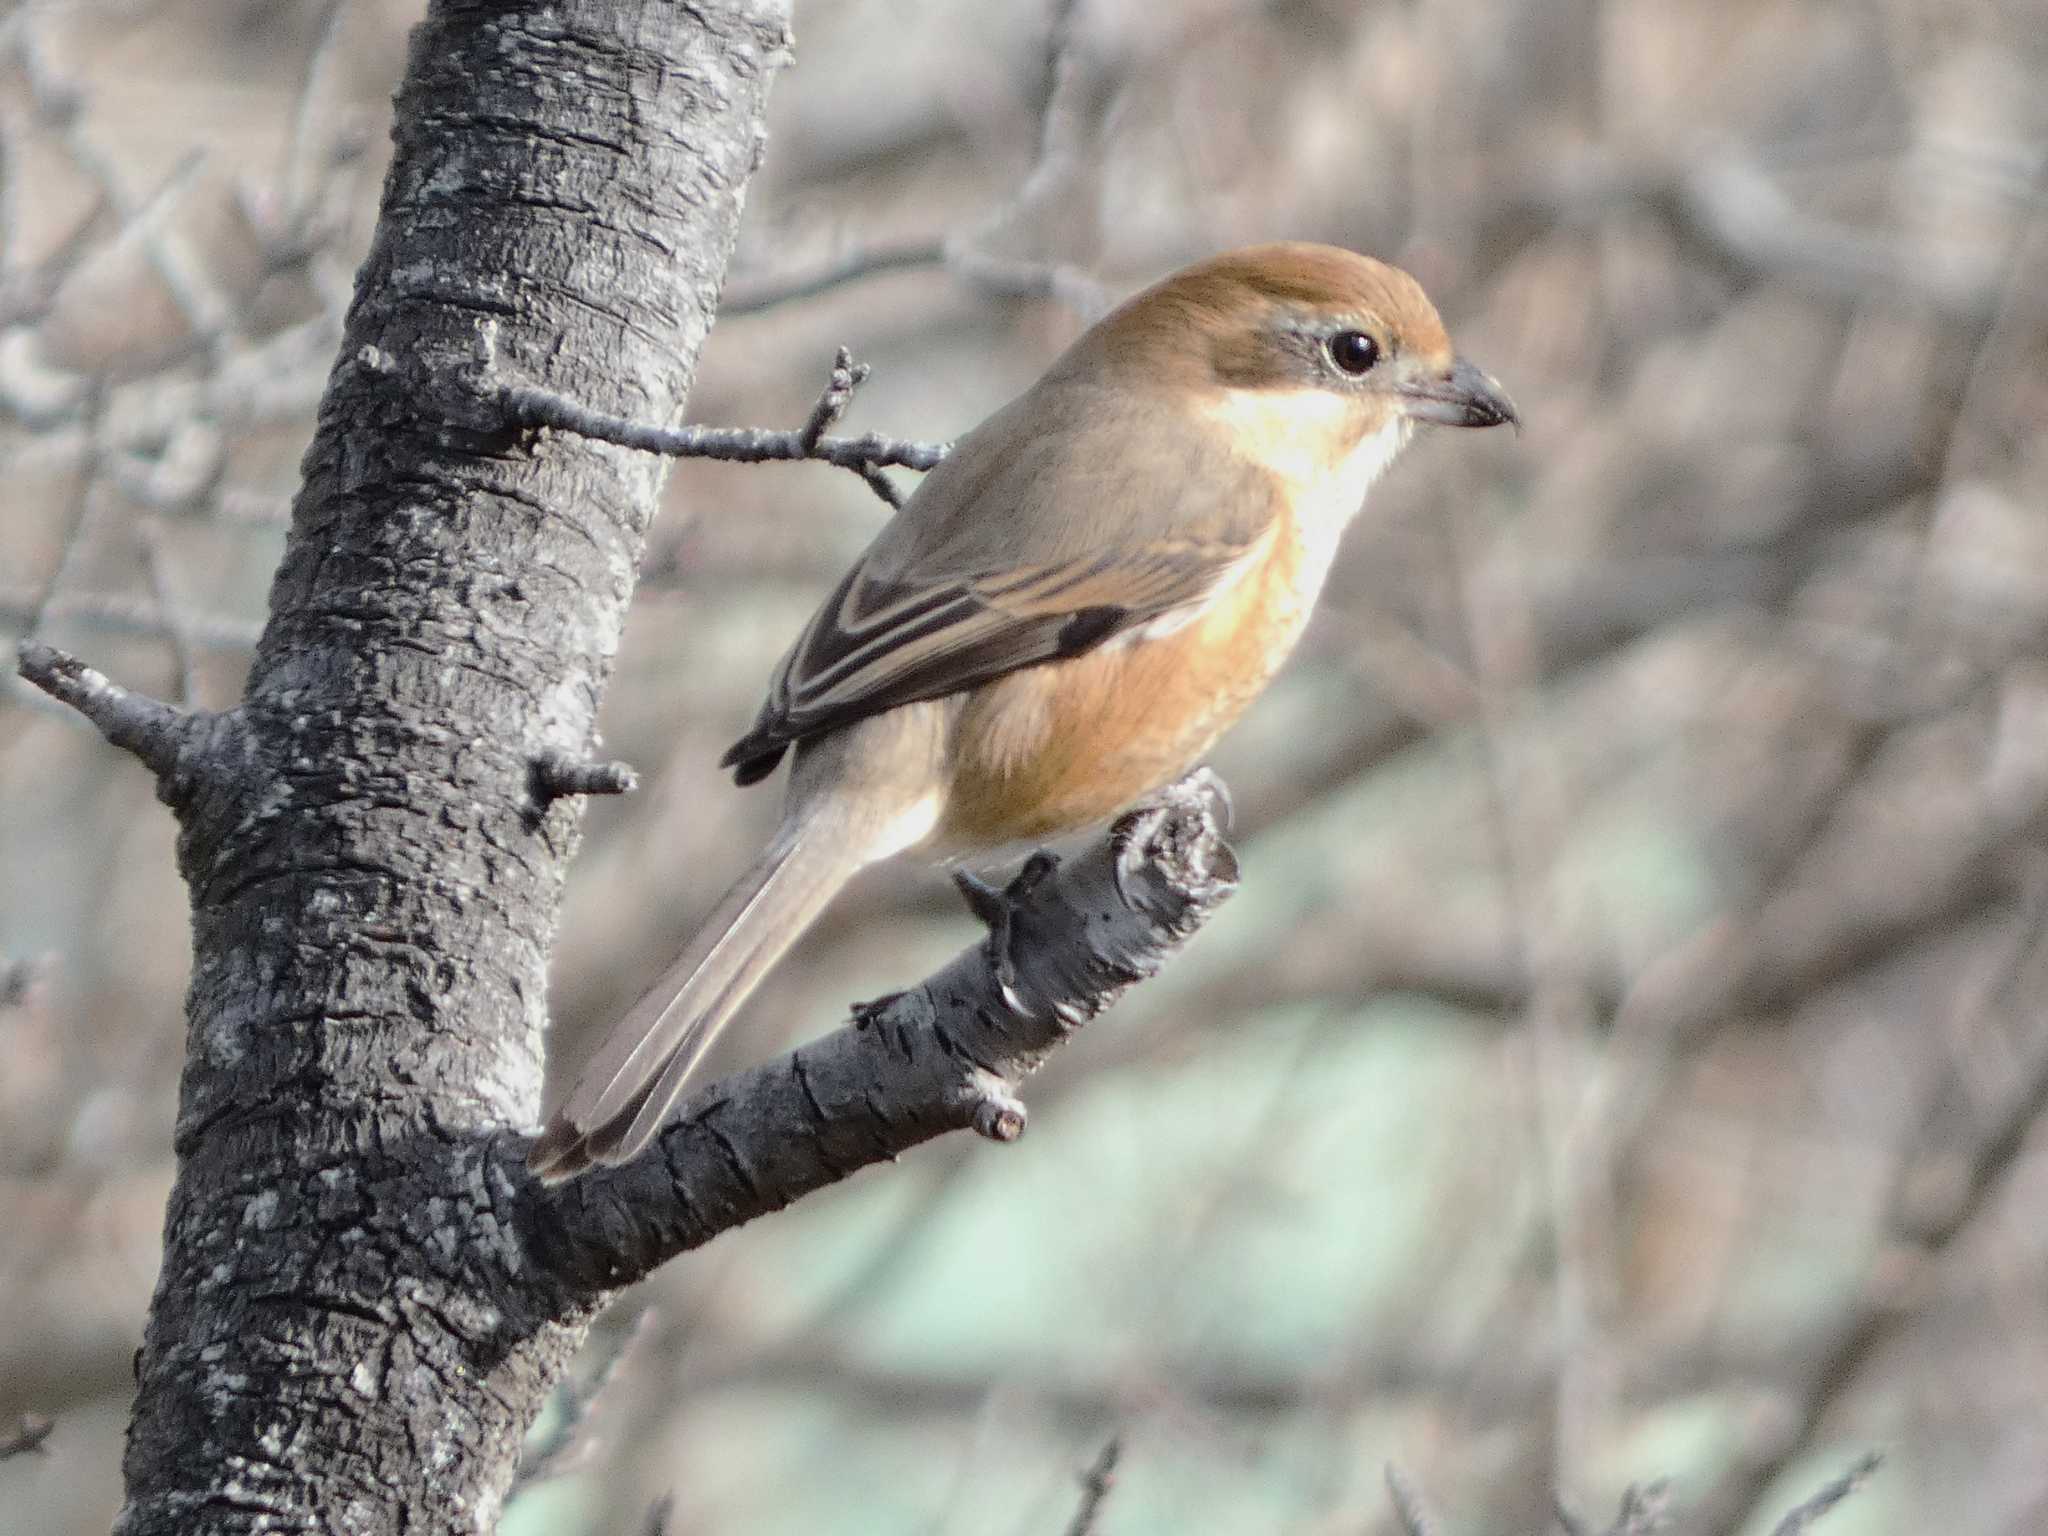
{"x": 856, "y": 264}
{"x": 116, "y": 613}
{"x": 528, "y": 407}
{"x": 1797, "y": 1520}
{"x": 846, "y": 377}
{"x": 27, "y": 1437}
{"x": 1096, "y": 1484}
{"x": 16, "y": 977}
{"x": 1645, "y": 1509}
{"x": 557, "y": 773}
{"x": 865, "y": 456}
{"x": 293, "y": 175}
{"x": 1410, "y": 1509}
{"x": 176, "y": 628}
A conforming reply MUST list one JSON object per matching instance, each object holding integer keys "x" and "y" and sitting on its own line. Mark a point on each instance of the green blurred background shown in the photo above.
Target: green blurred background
{"x": 1625, "y": 1055}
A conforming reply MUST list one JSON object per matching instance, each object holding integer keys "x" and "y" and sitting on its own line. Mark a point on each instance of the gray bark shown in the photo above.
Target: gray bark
{"x": 338, "y": 1341}
{"x": 365, "y": 1298}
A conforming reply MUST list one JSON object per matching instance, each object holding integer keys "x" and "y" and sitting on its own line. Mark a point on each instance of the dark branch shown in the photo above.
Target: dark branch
{"x": 946, "y": 1055}
{"x": 1797, "y": 1520}
{"x": 1096, "y": 1484}
{"x": 16, "y": 977}
{"x": 27, "y": 1436}
{"x": 150, "y": 729}
{"x": 557, "y": 773}
{"x": 1645, "y": 1509}
{"x": 528, "y": 407}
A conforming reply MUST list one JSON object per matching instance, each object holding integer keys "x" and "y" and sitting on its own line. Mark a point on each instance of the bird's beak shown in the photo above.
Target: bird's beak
{"x": 1461, "y": 397}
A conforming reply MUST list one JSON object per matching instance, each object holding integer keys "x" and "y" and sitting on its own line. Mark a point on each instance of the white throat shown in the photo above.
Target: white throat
{"x": 1296, "y": 429}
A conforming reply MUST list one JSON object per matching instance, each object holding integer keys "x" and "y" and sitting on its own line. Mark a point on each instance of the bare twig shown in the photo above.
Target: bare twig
{"x": 557, "y": 773}
{"x": 1645, "y": 1509}
{"x": 152, "y": 730}
{"x": 846, "y": 377}
{"x": 1937, "y": 1191}
{"x": 1797, "y": 1520}
{"x": 1096, "y": 1484}
{"x": 27, "y": 1437}
{"x": 851, "y": 267}
{"x": 121, "y": 614}
{"x": 16, "y": 977}
{"x": 528, "y": 407}
{"x": 294, "y": 175}
{"x": 969, "y": 255}
{"x": 1410, "y": 1510}
{"x": 176, "y": 626}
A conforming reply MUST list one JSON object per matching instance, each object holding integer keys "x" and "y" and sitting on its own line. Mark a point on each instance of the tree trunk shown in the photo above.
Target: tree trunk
{"x": 375, "y": 864}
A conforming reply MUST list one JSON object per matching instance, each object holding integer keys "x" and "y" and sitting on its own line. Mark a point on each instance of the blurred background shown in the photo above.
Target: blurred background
{"x": 1625, "y": 1057}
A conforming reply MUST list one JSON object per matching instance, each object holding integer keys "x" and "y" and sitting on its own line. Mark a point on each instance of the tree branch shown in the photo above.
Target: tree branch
{"x": 154, "y": 732}
{"x": 949, "y": 1054}
{"x": 529, "y": 407}
{"x": 1096, "y": 1485}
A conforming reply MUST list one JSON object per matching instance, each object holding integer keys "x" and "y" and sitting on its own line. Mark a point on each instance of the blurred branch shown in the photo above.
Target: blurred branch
{"x": 183, "y": 646}
{"x": 1645, "y": 1509}
{"x": 16, "y": 977}
{"x": 1798, "y": 1520}
{"x": 28, "y": 1436}
{"x": 1410, "y": 1511}
{"x": 1725, "y": 208}
{"x": 1937, "y": 1191}
{"x": 1096, "y": 1484}
{"x": 569, "y": 1444}
{"x": 852, "y": 266}
{"x": 1073, "y": 103}
{"x": 118, "y": 614}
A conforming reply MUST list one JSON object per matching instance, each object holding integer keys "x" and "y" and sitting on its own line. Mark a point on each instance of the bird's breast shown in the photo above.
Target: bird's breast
{"x": 1055, "y": 748}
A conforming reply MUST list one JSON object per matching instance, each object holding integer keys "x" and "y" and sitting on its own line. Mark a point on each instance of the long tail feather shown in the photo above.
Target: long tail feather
{"x": 642, "y": 1067}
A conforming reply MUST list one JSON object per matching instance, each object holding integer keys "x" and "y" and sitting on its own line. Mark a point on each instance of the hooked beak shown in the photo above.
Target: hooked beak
{"x": 1463, "y": 397}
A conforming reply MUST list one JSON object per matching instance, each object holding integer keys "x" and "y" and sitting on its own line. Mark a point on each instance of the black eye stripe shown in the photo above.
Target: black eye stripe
{"x": 1353, "y": 352}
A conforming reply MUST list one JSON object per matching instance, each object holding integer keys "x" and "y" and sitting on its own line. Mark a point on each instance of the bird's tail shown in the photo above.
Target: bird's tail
{"x": 640, "y": 1070}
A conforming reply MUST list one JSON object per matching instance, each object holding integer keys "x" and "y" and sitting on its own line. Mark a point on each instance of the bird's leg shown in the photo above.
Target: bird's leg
{"x": 865, "y": 1013}
{"x": 997, "y": 909}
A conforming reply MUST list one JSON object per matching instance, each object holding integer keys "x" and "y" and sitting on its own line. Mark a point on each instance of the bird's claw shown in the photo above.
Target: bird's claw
{"x": 997, "y": 910}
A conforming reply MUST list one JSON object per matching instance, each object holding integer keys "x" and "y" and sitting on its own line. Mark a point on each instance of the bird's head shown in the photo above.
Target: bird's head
{"x": 1313, "y": 356}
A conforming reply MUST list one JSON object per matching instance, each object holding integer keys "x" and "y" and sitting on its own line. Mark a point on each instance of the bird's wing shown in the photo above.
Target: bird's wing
{"x": 878, "y": 643}
{"x": 1003, "y": 559}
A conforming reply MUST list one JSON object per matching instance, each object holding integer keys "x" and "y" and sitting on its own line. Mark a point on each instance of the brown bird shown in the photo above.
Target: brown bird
{"x": 1063, "y": 618}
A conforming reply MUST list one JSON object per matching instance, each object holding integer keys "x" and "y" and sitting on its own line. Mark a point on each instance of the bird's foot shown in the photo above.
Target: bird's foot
{"x": 865, "y": 1013}
{"x": 997, "y": 910}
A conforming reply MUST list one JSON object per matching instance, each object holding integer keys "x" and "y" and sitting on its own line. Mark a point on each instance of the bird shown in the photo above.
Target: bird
{"x": 1061, "y": 619}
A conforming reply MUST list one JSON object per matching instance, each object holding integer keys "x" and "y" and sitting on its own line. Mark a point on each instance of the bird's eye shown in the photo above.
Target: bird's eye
{"x": 1354, "y": 352}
